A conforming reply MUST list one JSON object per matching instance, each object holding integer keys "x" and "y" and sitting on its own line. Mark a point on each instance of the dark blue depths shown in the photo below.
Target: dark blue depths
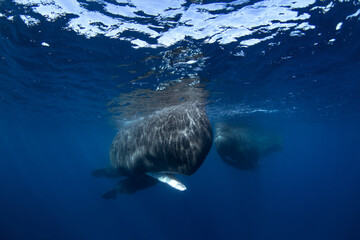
{"x": 310, "y": 190}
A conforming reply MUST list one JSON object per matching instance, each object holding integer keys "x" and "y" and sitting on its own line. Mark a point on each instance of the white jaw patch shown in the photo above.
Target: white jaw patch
{"x": 168, "y": 179}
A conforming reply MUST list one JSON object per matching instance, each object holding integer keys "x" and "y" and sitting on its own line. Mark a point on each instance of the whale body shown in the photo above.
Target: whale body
{"x": 241, "y": 146}
{"x": 173, "y": 140}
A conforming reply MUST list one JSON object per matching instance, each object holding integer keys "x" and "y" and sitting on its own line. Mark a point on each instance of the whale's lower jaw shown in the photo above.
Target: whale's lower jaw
{"x": 169, "y": 179}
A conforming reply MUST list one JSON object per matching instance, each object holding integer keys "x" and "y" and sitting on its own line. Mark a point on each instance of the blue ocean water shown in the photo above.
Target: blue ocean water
{"x": 290, "y": 66}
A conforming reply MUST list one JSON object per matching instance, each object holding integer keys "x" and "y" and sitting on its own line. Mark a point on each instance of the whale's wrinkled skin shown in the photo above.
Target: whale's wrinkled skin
{"x": 173, "y": 140}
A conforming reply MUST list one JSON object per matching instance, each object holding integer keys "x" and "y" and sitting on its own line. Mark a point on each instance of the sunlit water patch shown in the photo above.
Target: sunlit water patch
{"x": 163, "y": 23}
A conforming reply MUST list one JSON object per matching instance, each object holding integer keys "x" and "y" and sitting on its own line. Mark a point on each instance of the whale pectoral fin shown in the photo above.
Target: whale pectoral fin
{"x": 168, "y": 179}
